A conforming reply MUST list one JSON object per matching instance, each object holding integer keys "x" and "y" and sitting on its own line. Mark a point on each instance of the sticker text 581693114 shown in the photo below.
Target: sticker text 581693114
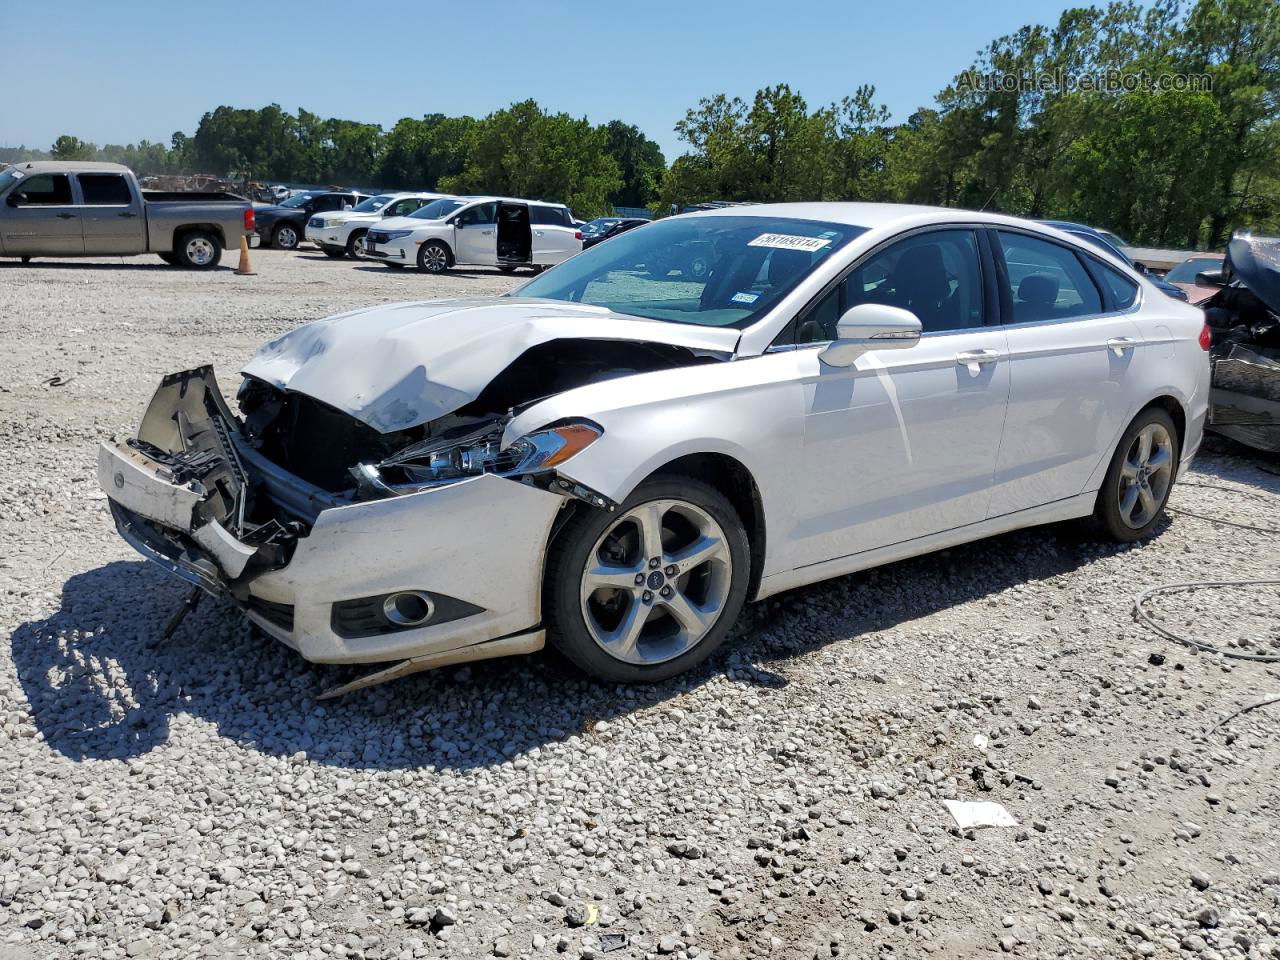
{"x": 789, "y": 241}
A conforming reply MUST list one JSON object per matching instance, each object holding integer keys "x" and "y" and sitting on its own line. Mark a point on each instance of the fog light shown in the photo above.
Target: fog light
{"x": 410, "y": 608}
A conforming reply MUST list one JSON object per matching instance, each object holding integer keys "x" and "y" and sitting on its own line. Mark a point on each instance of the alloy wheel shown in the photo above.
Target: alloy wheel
{"x": 656, "y": 582}
{"x": 287, "y": 238}
{"x": 1145, "y": 476}
{"x": 435, "y": 259}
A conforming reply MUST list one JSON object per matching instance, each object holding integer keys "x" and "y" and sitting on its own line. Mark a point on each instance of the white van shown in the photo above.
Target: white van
{"x": 484, "y": 231}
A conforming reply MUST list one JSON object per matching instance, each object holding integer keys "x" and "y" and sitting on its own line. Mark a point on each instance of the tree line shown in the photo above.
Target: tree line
{"x": 1176, "y": 141}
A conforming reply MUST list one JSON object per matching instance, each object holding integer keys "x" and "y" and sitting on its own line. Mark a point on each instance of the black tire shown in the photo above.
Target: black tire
{"x": 353, "y": 243}
{"x": 197, "y": 250}
{"x": 1138, "y": 522}
{"x": 434, "y": 257}
{"x": 334, "y": 253}
{"x": 506, "y": 268}
{"x": 168, "y": 258}
{"x": 563, "y": 607}
{"x": 286, "y": 236}
{"x": 26, "y": 259}
{"x": 538, "y": 268}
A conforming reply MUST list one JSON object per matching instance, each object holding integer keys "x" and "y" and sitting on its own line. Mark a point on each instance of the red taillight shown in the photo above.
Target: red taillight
{"x": 577, "y": 234}
{"x": 1206, "y": 337}
{"x": 250, "y": 224}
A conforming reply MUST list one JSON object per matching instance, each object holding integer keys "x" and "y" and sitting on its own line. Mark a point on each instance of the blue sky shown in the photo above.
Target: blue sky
{"x": 132, "y": 69}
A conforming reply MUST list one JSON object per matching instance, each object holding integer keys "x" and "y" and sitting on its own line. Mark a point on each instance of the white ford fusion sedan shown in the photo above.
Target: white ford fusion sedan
{"x": 617, "y": 456}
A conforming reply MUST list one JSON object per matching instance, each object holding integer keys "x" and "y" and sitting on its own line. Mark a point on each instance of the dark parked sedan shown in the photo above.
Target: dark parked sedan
{"x": 285, "y": 225}
{"x": 598, "y": 231}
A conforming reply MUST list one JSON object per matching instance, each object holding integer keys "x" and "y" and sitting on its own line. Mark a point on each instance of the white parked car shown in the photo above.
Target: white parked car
{"x": 341, "y": 232}
{"x": 482, "y": 231}
{"x": 616, "y": 459}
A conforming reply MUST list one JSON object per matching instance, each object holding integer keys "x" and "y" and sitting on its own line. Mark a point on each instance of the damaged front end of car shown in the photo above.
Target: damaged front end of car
{"x": 365, "y": 531}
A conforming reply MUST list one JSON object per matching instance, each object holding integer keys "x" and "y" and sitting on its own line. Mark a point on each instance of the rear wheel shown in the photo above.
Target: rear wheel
{"x": 650, "y": 590}
{"x": 198, "y": 250}
{"x": 334, "y": 253}
{"x": 1140, "y": 477}
{"x": 285, "y": 237}
{"x": 433, "y": 257}
{"x": 355, "y": 245}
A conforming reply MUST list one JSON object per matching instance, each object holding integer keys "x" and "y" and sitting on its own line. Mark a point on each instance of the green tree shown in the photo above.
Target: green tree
{"x": 72, "y": 148}
{"x": 640, "y": 164}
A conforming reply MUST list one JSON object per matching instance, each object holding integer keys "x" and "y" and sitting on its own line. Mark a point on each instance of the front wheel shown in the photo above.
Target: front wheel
{"x": 198, "y": 251}
{"x": 334, "y": 253}
{"x": 433, "y": 257}
{"x": 285, "y": 237}
{"x": 1140, "y": 478}
{"x": 355, "y": 245}
{"x": 650, "y": 590}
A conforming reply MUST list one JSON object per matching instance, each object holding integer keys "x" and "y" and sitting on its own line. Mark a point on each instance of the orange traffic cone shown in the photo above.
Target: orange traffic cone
{"x": 244, "y": 270}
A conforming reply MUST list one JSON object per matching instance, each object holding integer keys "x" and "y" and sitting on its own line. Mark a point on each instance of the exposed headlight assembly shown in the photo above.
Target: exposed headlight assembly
{"x": 434, "y": 462}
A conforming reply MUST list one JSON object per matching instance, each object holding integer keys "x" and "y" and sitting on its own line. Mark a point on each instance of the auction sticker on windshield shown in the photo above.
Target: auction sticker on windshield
{"x": 789, "y": 241}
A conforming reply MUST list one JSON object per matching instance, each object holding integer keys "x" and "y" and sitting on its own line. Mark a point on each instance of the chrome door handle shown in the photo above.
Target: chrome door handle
{"x": 539, "y": 232}
{"x": 485, "y": 233}
{"x": 66, "y": 216}
{"x": 1118, "y": 345}
{"x": 127, "y": 213}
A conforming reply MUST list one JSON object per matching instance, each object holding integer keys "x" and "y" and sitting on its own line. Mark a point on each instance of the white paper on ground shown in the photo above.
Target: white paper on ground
{"x": 969, "y": 814}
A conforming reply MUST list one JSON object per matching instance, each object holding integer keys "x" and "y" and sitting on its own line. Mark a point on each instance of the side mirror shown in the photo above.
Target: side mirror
{"x": 871, "y": 326}
{"x": 459, "y": 224}
{"x": 12, "y": 199}
{"x": 1210, "y": 278}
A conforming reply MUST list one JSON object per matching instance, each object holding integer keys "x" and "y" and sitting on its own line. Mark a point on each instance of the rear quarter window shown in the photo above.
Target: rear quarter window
{"x": 1123, "y": 290}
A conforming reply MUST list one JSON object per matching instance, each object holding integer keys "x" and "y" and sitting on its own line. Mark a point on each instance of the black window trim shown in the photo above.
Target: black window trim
{"x": 73, "y": 188}
{"x": 1088, "y": 263}
{"x": 785, "y": 340}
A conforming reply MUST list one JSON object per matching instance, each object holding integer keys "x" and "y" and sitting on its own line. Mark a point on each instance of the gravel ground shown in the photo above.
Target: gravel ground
{"x": 191, "y": 799}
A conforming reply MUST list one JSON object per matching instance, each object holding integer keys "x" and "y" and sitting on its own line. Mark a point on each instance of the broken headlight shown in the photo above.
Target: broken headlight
{"x": 436, "y": 461}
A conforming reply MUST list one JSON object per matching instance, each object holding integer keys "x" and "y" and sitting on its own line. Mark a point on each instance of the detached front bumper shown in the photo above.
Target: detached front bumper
{"x": 475, "y": 548}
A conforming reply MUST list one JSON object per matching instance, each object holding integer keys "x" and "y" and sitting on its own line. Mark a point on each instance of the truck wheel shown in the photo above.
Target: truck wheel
{"x": 507, "y": 268}
{"x": 355, "y": 245}
{"x": 168, "y": 258}
{"x": 198, "y": 250}
{"x": 433, "y": 257}
{"x": 335, "y": 253}
{"x": 285, "y": 237}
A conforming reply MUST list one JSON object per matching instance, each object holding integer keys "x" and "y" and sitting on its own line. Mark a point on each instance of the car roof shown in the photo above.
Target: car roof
{"x": 857, "y": 214}
{"x": 68, "y": 166}
{"x": 488, "y": 199}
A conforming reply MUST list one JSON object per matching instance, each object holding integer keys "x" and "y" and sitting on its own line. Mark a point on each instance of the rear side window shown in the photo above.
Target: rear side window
{"x": 1047, "y": 281}
{"x": 44, "y": 188}
{"x": 104, "y": 189}
{"x": 1123, "y": 290}
{"x": 549, "y": 216}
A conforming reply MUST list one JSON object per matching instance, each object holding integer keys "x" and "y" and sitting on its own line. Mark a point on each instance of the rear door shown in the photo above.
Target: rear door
{"x": 41, "y": 218}
{"x": 554, "y": 235}
{"x": 475, "y": 234}
{"x": 1074, "y": 350}
{"x": 111, "y": 214}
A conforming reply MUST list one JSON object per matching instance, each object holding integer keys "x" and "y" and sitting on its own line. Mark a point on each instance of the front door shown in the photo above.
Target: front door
{"x": 112, "y": 216}
{"x": 1070, "y": 361}
{"x": 40, "y": 217}
{"x": 475, "y": 237}
{"x": 904, "y": 443}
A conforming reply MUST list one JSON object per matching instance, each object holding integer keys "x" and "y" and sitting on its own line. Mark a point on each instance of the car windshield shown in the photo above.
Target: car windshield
{"x": 596, "y": 227}
{"x": 436, "y": 209}
{"x": 719, "y": 271}
{"x": 8, "y": 178}
{"x": 371, "y": 205}
{"x": 1186, "y": 271}
{"x": 297, "y": 200}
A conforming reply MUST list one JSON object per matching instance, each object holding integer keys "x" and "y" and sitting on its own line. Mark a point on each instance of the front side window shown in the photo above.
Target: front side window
{"x": 436, "y": 209}
{"x": 402, "y": 208}
{"x": 722, "y": 271}
{"x": 104, "y": 189}
{"x": 43, "y": 189}
{"x": 480, "y": 214}
{"x": 1046, "y": 281}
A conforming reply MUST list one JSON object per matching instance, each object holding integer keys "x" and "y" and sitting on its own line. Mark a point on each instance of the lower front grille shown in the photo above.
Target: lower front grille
{"x": 277, "y": 614}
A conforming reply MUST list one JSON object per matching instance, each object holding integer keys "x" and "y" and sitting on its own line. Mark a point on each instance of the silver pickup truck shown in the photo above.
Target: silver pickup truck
{"x": 66, "y": 209}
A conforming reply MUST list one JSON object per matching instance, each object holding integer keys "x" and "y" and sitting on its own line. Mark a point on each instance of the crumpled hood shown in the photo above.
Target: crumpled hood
{"x": 1255, "y": 262}
{"x": 401, "y": 365}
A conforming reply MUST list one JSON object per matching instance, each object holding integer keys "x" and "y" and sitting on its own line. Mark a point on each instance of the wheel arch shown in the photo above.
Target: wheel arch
{"x": 1167, "y": 402}
{"x": 180, "y": 233}
{"x": 448, "y": 248}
